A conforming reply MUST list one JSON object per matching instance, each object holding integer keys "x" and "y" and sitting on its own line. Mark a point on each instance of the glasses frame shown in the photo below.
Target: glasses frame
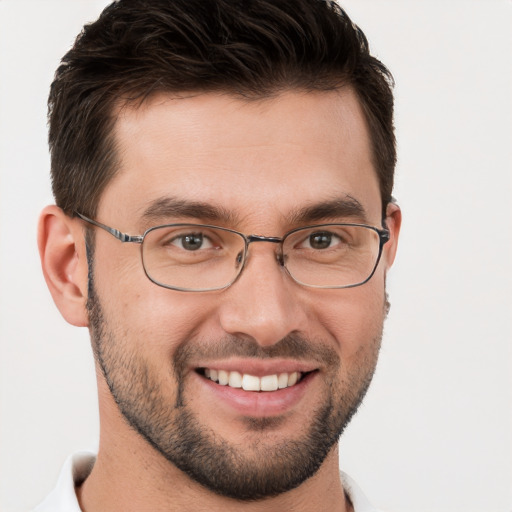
{"x": 383, "y": 233}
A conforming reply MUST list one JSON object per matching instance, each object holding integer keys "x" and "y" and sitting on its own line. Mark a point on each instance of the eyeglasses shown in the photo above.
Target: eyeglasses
{"x": 202, "y": 258}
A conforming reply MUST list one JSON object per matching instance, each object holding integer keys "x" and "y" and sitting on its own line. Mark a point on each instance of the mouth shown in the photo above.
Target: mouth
{"x": 247, "y": 382}
{"x": 256, "y": 389}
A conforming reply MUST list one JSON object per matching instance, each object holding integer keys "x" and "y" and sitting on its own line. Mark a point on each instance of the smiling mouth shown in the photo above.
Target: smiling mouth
{"x": 248, "y": 382}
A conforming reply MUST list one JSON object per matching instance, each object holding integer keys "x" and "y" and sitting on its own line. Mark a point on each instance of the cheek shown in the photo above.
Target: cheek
{"x": 354, "y": 317}
{"x": 141, "y": 313}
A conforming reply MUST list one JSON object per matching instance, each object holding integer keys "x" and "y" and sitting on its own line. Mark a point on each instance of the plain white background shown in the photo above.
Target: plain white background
{"x": 435, "y": 431}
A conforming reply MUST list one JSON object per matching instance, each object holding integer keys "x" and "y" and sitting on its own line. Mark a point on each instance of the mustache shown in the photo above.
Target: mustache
{"x": 292, "y": 347}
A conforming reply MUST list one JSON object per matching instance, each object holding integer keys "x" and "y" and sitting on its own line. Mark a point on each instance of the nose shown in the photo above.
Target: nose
{"x": 264, "y": 303}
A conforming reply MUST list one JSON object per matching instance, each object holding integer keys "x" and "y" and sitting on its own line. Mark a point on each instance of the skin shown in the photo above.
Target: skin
{"x": 260, "y": 161}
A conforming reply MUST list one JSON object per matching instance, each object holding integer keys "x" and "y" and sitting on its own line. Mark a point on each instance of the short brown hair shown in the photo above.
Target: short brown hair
{"x": 249, "y": 48}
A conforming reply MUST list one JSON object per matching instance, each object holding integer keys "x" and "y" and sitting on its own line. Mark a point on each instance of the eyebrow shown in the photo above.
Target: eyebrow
{"x": 347, "y": 207}
{"x": 169, "y": 207}
{"x": 337, "y": 209}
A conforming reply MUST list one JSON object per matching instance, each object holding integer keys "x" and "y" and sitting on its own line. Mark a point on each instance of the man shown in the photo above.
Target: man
{"x": 224, "y": 224}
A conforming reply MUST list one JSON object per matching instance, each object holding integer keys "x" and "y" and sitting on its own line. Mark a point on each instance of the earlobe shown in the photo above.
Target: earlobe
{"x": 64, "y": 263}
{"x": 393, "y": 223}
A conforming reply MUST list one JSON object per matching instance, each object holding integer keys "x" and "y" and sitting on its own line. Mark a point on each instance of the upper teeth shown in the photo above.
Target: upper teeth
{"x": 250, "y": 382}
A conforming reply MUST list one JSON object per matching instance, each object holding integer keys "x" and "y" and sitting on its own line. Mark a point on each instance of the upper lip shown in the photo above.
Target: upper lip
{"x": 259, "y": 367}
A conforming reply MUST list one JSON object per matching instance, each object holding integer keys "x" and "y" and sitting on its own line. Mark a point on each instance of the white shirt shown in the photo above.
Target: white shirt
{"x": 78, "y": 466}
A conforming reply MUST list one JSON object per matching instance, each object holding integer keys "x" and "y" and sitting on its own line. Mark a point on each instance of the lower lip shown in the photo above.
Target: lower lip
{"x": 259, "y": 404}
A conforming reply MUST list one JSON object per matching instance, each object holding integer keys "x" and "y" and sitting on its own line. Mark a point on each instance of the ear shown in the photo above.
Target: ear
{"x": 63, "y": 258}
{"x": 393, "y": 223}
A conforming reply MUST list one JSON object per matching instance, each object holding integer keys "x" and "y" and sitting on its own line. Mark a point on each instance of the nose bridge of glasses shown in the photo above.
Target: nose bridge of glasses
{"x": 260, "y": 238}
{"x": 270, "y": 239}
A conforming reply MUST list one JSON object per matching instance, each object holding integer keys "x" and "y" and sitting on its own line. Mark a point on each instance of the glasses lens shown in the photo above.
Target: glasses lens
{"x": 193, "y": 257}
{"x": 332, "y": 256}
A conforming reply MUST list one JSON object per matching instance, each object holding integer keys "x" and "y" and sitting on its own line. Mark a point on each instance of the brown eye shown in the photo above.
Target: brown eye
{"x": 321, "y": 240}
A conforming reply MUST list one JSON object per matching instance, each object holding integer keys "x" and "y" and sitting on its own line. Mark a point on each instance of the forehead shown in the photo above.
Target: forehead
{"x": 257, "y": 159}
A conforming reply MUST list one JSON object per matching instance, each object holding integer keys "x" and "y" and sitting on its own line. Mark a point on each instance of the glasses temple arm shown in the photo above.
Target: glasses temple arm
{"x": 123, "y": 237}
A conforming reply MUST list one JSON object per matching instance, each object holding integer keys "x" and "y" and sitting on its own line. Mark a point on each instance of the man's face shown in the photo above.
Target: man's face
{"x": 257, "y": 165}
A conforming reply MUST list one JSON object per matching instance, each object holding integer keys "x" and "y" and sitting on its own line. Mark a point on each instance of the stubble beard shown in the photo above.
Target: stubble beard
{"x": 250, "y": 472}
